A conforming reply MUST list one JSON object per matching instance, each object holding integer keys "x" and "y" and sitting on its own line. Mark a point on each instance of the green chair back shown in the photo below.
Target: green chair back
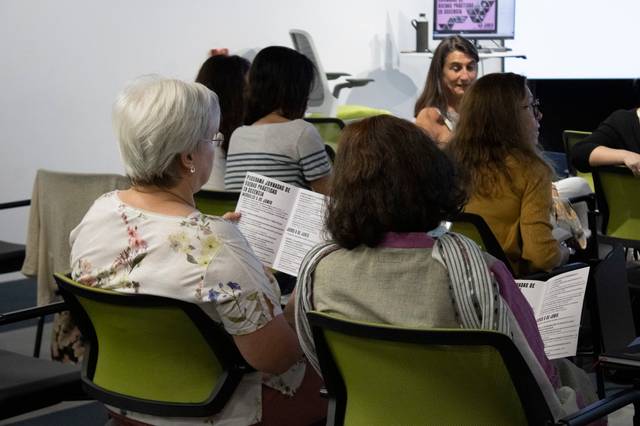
{"x": 474, "y": 227}
{"x": 152, "y": 354}
{"x": 216, "y": 203}
{"x": 358, "y": 112}
{"x": 382, "y": 375}
{"x": 330, "y": 129}
{"x": 618, "y": 195}
{"x": 570, "y": 138}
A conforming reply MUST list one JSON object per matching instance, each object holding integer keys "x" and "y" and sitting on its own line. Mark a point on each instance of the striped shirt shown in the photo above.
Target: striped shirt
{"x": 292, "y": 152}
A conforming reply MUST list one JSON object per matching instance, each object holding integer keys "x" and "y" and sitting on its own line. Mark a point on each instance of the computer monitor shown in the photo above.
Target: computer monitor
{"x": 474, "y": 19}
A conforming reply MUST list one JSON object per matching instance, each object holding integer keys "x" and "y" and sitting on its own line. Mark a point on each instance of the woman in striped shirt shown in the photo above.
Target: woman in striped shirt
{"x": 276, "y": 142}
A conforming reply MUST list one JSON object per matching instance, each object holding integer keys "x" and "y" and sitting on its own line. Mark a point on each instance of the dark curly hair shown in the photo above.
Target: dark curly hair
{"x": 280, "y": 79}
{"x": 389, "y": 177}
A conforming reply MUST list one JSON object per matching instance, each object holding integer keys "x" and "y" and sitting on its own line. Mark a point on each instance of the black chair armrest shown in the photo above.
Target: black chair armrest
{"x": 590, "y": 199}
{"x": 336, "y": 75}
{"x": 31, "y": 313}
{"x": 543, "y": 276}
{"x": 351, "y": 82}
{"x": 601, "y": 408}
{"x": 13, "y": 204}
{"x": 355, "y": 82}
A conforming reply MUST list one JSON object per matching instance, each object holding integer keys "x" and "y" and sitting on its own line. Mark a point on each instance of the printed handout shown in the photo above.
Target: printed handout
{"x": 557, "y": 306}
{"x": 281, "y": 222}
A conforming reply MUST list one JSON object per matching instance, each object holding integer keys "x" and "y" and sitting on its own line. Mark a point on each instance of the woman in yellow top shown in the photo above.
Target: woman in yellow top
{"x": 495, "y": 146}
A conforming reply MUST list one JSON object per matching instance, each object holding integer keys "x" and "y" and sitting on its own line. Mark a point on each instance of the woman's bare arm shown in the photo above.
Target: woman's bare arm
{"x": 271, "y": 349}
{"x": 431, "y": 121}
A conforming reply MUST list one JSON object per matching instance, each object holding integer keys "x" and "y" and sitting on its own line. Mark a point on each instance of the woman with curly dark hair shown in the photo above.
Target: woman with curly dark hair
{"x": 392, "y": 263}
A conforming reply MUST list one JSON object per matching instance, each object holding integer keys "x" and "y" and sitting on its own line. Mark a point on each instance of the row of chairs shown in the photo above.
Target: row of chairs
{"x": 421, "y": 376}
{"x": 217, "y": 203}
{"x": 214, "y": 203}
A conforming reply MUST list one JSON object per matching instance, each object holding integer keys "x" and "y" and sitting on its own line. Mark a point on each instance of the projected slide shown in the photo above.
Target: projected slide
{"x": 466, "y": 16}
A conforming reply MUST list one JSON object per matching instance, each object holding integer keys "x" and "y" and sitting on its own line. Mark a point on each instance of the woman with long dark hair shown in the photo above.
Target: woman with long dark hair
{"x": 453, "y": 69}
{"x": 276, "y": 142}
{"x": 226, "y": 76}
{"x": 509, "y": 182}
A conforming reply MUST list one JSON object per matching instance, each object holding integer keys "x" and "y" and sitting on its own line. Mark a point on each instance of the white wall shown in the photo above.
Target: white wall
{"x": 577, "y": 39}
{"x": 63, "y": 62}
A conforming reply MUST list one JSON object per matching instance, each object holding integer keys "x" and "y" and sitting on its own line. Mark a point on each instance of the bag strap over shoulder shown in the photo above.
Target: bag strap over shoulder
{"x": 475, "y": 293}
{"x": 304, "y": 298}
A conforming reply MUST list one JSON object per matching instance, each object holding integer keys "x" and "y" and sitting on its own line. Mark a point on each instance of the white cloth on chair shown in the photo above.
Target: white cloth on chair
{"x": 59, "y": 201}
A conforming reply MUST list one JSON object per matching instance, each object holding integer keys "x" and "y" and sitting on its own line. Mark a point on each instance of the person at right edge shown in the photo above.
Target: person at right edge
{"x": 615, "y": 142}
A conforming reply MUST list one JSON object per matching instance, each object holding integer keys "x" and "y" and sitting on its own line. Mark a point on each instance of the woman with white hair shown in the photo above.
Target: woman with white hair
{"x": 152, "y": 239}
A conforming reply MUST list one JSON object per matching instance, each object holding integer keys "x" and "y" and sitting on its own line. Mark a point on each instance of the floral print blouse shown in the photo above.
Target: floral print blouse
{"x": 200, "y": 259}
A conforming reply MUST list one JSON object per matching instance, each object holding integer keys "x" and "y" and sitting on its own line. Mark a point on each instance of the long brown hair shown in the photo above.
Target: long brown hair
{"x": 433, "y": 94}
{"x": 389, "y": 177}
{"x": 490, "y": 130}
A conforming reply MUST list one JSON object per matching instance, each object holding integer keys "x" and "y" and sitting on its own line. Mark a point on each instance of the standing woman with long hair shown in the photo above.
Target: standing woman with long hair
{"x": 453, "y": 69}
{"x": 509, "y": 183}
{"x": 226, "y": 76}
{"x": 276, "y": 142}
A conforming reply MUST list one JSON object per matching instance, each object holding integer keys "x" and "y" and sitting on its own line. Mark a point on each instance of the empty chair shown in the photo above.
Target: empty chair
{"x": 570, "y": 138}
{"x": 12, "y": 254}
{"x": 28, "y": 383}
{"x": 59, "y": 201}
{"x": 322, "y": 99}
{"x": 615, "y": 325}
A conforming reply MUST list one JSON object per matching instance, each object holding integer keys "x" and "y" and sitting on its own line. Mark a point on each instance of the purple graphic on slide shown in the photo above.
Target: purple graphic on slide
{"x": 466, "y": 15}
